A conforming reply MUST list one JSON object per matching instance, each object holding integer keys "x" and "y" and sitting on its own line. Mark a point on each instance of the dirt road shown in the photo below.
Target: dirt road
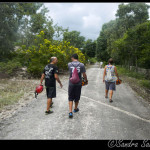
{"x": 128, "y": 117}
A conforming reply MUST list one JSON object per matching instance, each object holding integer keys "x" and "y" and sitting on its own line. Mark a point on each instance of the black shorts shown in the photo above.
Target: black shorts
{"x": 74, "y": 92}
{"x": 51, "y": 92}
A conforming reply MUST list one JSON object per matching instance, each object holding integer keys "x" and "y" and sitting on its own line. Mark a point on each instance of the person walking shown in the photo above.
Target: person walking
{"x": 110, "y": 79}
{"x": 50, "y": 73}
{"x": 74, "y": 89}
{"x": 101, "y": 63}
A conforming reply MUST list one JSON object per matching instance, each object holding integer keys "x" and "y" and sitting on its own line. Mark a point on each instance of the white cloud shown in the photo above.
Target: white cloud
{"x": 87, "y": 18}
{"x": 91, "y": 21}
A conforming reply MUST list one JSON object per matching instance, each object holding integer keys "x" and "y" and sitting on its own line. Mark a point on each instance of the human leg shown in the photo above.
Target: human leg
{"x": 77, "y": 91}
{"x": 51, "y": 93}
{"x": 106, "y": 89}
{"x": 70, "y": 105}
{"x": 110, "y": 94}
{"x": 106, "y": 93}
{"x": 112, "y": 88}
{"x": 70, "y": 98}
{"x": 49, "y": 101}
{"x": 76, "y": 105}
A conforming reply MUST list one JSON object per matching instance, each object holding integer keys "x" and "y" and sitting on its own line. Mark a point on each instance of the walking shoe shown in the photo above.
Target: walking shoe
{"x": 70, "y": 115}
{"x": 110, "y": 100}
{"x": 76, "y": 110}
{"x": 48, "y": 112}
{"x": 51, "y": 104}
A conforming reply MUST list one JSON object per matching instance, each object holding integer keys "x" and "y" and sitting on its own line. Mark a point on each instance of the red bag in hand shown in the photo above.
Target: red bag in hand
{"x": 75, "y": 77}
{"x": 38, "y": 90}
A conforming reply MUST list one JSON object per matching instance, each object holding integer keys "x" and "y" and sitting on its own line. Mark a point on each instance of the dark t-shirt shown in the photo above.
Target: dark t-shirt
{"x": 49, "y": 72}
{"x": 81, "y": 69}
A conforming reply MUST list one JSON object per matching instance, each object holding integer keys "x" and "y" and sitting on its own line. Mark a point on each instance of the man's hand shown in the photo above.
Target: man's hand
{"x": 61, "y": 85}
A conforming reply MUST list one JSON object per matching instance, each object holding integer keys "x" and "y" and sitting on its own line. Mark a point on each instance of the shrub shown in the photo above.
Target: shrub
{"x": 10, "y": 66}
{"x": 92, "y": 60}
{"x": 38, "y": 55}
{"x": 145, "y": 83}
{"x": 128, "y": 73}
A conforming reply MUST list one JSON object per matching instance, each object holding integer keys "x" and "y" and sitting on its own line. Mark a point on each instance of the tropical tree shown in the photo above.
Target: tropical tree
{"x": 10, "y": 20}
{"x": 74, "y": 38}
{"x": 90, "y": 48}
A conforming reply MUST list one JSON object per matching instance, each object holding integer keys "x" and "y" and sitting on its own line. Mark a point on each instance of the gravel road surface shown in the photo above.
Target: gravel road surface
{"x": 128, "y": 117}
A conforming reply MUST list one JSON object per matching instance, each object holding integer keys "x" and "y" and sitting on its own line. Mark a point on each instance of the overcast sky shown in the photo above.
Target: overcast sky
{"x": 87, "y": 18}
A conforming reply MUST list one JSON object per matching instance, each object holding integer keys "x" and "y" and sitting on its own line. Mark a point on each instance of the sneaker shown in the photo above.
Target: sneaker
{"x": 51, "y": 104}
{"x": 48, "y": 112}
{"x": 70, "y": 115}
{"x": 76, "y": 110}
{"x": 110, "y": 100}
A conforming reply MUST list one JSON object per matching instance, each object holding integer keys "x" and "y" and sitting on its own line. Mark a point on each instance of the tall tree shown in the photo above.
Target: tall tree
{"x": 74, "y": 38}
{"x": 132, "y": 14}
{"x": 36, "y": 23}
{"x": 90, "y": 48}
{"x": 127, "y": 17}
{"x": 10, "y": 20}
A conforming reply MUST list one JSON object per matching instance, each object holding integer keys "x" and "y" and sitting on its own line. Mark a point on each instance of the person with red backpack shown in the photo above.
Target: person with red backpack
{"x": 76, "y": 69}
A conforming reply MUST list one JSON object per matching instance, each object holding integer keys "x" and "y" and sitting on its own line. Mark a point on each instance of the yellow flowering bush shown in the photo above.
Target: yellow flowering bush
{"x": 38, "y": 55}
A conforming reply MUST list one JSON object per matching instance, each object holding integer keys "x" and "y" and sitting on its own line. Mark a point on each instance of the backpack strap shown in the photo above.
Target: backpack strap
{"x": 75, "y": 66}
{"x": 110, "y": 67}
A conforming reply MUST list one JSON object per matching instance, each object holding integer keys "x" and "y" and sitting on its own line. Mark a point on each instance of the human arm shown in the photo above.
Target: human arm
{"x": 84, "y": 73}
{"x": 42, "y": 78}
{"x": 58, "y": 80}
{"x": 116, "y": 72}
{"x": 104, "y": 74}
{"x": 85, "y": 76}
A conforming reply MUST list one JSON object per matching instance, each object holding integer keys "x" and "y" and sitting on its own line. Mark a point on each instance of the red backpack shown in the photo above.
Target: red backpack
{"x": 75, "y": 77}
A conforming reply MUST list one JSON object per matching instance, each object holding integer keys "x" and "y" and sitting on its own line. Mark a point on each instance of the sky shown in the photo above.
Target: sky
{"x": 87, "y": 18}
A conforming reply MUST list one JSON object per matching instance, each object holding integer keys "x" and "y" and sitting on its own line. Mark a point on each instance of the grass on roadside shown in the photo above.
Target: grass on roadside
{"x": 12, "y": 90}
{"x": 141, "y": 80}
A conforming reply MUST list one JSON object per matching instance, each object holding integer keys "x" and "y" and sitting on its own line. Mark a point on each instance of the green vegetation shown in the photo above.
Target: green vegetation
{"x": 145, "y": 83}
{"x": 38, "y": 40}
{"x": 10, "y": 66}
{"x": 38, "y": 55}
{"x": 29, "y": 38}
{"x": 126, "y": 72}
{"x": 26, "y": 25}
{"x": 12, "y": 18}
{"x": 92, "y": 60}
{"x": 11, "y": 91}
{"x": 74, "y": 38}
{"x": 126, "y": 39}
{"x": 141, "y": 80}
